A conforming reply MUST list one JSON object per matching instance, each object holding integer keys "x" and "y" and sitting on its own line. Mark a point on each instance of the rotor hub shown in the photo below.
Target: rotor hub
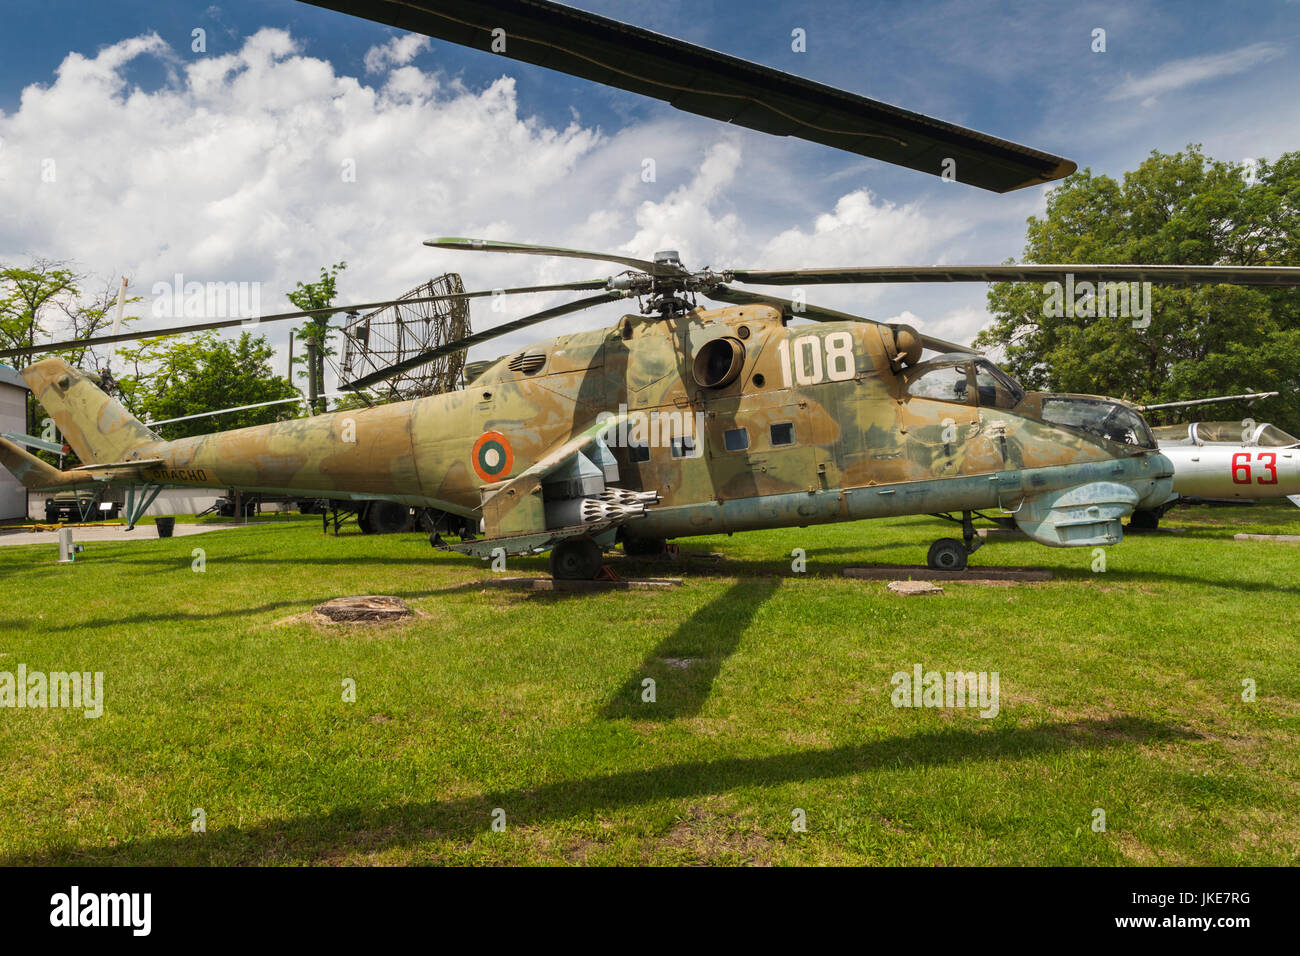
{"x": 671, "y": 289}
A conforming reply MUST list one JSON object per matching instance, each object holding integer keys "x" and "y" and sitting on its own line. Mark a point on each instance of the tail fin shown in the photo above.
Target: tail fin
{"x": 95, "y": 426}
{"x": 35, "y": 474}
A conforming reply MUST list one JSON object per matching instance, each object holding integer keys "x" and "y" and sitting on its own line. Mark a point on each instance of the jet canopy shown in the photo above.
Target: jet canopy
{"x": 1226, "y": 433}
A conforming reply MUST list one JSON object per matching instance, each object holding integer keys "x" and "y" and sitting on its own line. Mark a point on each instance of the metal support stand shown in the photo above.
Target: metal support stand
{"x": 135, "y": 508}
{"x": 331, "y": 512}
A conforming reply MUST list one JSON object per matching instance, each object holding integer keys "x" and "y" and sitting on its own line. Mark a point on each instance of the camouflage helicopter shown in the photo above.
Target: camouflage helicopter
{"x": 679, "y": 419}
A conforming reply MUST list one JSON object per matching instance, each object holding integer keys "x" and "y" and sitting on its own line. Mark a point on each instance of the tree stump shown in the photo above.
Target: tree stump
{"x": 371, "y": 608}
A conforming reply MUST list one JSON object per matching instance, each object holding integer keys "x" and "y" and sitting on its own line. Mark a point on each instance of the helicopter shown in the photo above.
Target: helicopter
{"x": 682, "y": 419}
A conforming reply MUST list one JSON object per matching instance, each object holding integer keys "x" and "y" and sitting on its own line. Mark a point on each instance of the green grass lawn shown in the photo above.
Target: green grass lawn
{"x": 1120, "y": 691}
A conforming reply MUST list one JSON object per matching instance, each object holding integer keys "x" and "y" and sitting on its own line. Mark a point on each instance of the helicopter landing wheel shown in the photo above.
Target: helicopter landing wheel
{"x": 575, "y": 559}
{"x": 384, "y": 517}
{"x": 947, "y": 554}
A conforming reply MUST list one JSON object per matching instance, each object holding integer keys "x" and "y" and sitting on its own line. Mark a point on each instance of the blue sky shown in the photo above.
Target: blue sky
{"x": 1014, "y": 69}
{"x": 1224, "y": 75}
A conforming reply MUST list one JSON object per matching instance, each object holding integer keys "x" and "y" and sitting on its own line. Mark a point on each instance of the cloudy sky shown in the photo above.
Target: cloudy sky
{"x": 232, "y": 163}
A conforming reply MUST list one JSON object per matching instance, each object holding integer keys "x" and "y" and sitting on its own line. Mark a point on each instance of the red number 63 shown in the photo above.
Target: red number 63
{"x": 1241, "y": 468}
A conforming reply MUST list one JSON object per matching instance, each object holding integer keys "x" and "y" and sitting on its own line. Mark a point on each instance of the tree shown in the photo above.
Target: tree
{"x": 204, "y": 374}
{"x": 315, "y": 332}
{"x": 28, "y": 296}
{"x": 1180, "y": 208}
{"x": 43, "y": 300}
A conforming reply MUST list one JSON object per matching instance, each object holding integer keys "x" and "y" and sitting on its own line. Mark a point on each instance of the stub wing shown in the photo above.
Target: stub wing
{"x": 118, "y": 470}
{"x": 568, "y": 491}
{"x": 558, "y": 455}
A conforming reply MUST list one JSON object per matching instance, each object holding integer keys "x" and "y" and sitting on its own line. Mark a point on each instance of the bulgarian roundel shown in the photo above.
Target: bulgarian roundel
{"x": 492, "y": 456}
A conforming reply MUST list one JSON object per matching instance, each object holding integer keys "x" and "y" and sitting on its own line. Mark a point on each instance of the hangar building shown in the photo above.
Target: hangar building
{"x": 13, "y": 418}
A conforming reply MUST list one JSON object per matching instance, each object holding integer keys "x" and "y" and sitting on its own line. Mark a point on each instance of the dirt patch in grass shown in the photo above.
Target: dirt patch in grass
{"x": 321, "y": 624}
{"x": 711, "y": 837}
{"x": 1135, "y": 851}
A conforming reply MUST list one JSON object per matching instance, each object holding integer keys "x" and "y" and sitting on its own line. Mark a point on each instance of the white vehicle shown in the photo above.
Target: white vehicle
{"x": 1226, "y": 461}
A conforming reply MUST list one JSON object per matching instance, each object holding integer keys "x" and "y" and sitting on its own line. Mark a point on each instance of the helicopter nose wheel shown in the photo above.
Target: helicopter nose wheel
{"x": 575, "y": 559}
{"x": 949, "y": 554}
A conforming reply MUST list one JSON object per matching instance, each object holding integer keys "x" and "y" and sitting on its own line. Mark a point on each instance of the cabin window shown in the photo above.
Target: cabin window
{"x": 683, "y": 446}
{"x": 782, "y": 433}
{"x": 996, "y": 388}
{"x": 946, "y": 383}
{"x": 639, "y": 452}
{"x": 735, "y": 439}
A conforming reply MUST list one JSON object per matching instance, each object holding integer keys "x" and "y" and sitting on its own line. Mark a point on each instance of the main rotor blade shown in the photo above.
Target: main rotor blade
{"x": 251, "y": 322}
{"x": 415, "y": 361}
{"x": 821, "y": 314}
{"x": 662, "y": 270}
{"x": 1163, "y": 275}
{"x": 1248, "y": 397}
{"x": 702, "y": 81}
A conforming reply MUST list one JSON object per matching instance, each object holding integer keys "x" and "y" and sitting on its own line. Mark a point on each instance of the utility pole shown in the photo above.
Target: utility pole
{"x": 313, "y": 385}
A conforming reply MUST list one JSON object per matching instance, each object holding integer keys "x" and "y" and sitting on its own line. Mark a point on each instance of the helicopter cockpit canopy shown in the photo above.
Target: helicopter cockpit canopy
{"x": 967, "y": 380}
{"x": 957, "y": 377}
{"x": 1104, "y": 419}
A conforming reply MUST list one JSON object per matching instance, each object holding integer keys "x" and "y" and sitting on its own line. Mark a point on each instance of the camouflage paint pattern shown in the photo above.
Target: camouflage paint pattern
{"x": 859, "y": 444}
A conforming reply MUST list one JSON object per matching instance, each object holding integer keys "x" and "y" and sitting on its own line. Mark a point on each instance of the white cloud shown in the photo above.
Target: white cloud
{"x": 237, "y": 169}
{"x": 688, "y": 219}
{"x": 1177, "y": 74}
{"x": 861, "y": 231}
{"x": 398, "y": 51}
{"x": 958, "y": 325}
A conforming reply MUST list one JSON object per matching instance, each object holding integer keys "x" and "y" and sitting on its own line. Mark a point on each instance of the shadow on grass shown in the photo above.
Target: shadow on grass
{"x": 685, "y": 664}
{"x": 306, "y": 601}
{"x": 364, "y": 828}
{"x": 691, "y": 561}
